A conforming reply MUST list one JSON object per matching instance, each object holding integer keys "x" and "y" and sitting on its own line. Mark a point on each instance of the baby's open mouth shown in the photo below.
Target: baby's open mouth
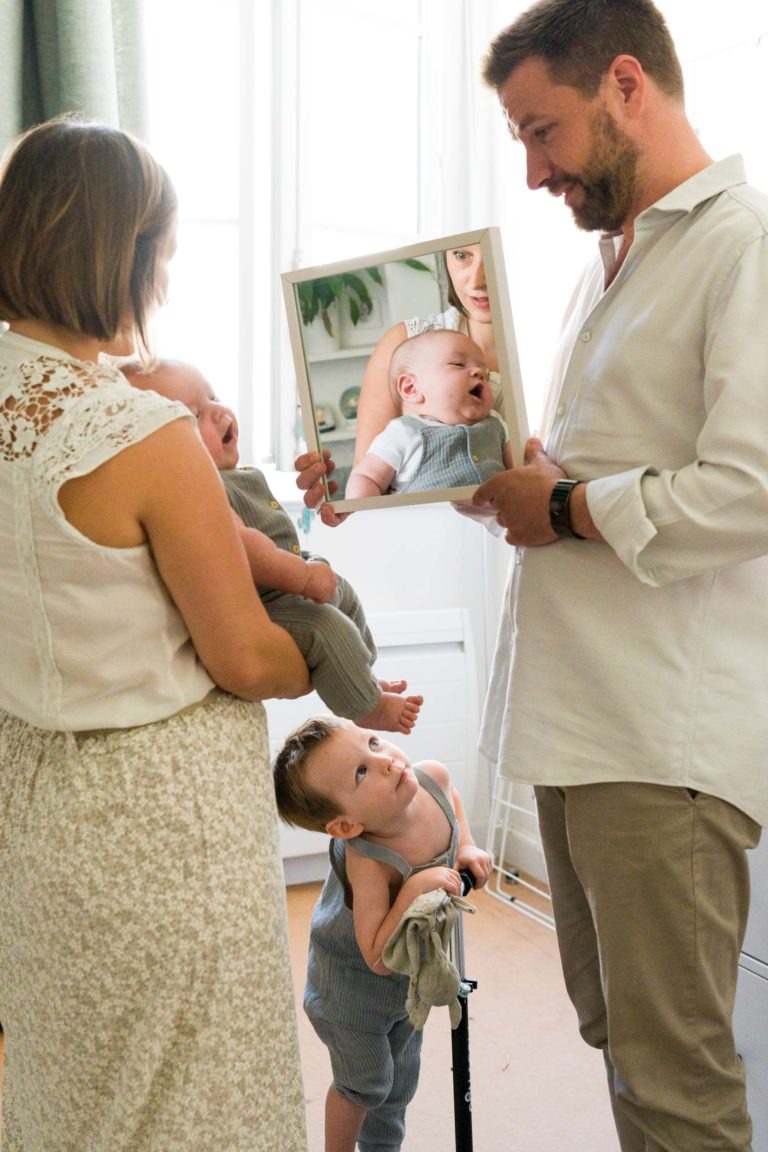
{"x": 477, "y": 391}
{"x": 229, "y": 435}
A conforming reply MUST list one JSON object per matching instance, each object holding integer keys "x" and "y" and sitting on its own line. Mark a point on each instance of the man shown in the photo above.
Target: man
{"x": 629, "y": 678}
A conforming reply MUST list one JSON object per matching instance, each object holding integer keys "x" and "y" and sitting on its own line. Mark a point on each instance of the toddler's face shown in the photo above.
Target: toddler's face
{"x": 451, "y": 377}
{"x": 370, "y": 780}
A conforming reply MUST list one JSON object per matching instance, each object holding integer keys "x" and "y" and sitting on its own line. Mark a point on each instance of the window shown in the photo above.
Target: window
{"x": 303, "y": 131}
{"x": 298, "y": 132}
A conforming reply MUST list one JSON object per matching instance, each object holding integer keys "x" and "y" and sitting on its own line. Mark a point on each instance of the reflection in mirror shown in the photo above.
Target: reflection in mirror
{"x": 408, "y": 371}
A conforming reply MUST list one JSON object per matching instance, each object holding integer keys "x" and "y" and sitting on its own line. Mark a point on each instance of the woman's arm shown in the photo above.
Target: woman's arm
{"x": 377, "y": 407}
{"x": 166, "y": 490}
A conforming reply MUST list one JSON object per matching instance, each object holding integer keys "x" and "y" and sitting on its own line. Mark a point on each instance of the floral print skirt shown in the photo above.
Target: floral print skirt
{"x": 145, "y": 984}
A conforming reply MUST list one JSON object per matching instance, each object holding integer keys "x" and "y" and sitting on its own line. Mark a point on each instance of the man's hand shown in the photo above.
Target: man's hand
{"x": 520, "y": 497}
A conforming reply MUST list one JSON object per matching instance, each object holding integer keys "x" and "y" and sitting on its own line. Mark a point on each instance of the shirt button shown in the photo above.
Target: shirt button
{"x": 274, "y": 504}
{"x": 586, "y": 336}
{"x": 475, "y": 458}
{"x": 295, "y": 549}
{"x": 560, "y": 410}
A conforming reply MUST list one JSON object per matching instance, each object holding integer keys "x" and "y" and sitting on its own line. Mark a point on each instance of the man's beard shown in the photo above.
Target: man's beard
{"x": 608, "y": 178}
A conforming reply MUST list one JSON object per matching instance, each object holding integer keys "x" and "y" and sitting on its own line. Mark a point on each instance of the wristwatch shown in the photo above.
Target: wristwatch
{"x": 559, "y": 509}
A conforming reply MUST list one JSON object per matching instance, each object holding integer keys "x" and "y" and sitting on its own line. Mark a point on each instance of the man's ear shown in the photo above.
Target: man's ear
{"x": 627, "y": 81}
{"x": 407, "y": 390}
{"x": 342, "y": 828}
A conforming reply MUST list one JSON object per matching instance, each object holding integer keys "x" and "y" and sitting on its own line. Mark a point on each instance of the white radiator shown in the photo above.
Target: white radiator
{"x": 434, "y": 652}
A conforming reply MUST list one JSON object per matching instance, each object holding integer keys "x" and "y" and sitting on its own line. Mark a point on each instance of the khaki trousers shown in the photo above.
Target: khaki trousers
{"x": 650, "y": 892}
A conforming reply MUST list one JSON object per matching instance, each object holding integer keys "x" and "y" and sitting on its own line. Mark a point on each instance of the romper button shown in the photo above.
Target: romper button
{"x": 586, "y": 336}
{"x": 295, "y": 548}
{"x": 475, "y": 458}
{"x": 274, "y": 504}
{"x": 561, "y": 410}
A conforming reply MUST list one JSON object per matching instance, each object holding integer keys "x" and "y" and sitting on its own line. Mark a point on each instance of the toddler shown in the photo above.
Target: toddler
{"x": 398, "y": 831}
{"x": 300, "y": 592}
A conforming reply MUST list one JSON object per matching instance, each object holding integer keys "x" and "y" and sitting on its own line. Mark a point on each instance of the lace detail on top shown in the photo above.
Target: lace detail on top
{"x": 61, "y": 418}
{"x": 57, "y": 412}
{"x": 44, "y": 386}
{"x": 450, "y": 319}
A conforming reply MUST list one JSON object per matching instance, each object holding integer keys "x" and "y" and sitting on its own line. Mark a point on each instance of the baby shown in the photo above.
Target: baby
{"x": 399, "y": 831}
{"x": 300, "y": 592}
{"x": 448, "y": 436}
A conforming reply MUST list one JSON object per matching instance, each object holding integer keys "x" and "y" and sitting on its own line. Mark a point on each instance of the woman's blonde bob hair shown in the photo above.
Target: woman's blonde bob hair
{"x": 84, "y": 212}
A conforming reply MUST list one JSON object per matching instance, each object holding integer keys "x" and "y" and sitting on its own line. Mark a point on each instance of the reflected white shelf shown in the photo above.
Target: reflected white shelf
{"x": 337, "y": 435}
{"x": 341, "y": 354}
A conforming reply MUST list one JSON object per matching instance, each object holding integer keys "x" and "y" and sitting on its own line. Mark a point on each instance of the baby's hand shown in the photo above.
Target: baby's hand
{"x": 479, "y": 863}
{"x": 321, "y": 582}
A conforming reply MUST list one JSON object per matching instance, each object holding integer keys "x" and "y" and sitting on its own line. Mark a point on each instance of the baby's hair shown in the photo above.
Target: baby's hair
{"x": 297, "y": 803}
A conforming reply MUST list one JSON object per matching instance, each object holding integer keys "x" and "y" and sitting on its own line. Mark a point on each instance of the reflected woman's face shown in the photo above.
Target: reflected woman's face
{"x": 467, "y": 273}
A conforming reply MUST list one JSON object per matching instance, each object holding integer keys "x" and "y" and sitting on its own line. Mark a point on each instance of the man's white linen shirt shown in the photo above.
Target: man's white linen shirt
{"x": 646, "y": 658}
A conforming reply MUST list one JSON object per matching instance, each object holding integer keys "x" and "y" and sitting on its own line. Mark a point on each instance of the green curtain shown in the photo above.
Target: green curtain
{"x": 61, "y": 56}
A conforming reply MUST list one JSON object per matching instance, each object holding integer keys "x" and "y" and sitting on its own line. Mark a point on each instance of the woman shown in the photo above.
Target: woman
{"x": 145, "y": 988}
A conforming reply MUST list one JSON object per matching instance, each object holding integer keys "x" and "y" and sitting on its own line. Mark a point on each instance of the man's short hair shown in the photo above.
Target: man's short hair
{"x": 578, "y": 39}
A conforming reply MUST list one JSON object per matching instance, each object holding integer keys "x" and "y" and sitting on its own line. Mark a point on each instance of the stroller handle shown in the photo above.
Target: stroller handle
{"x": 467, "y": 881}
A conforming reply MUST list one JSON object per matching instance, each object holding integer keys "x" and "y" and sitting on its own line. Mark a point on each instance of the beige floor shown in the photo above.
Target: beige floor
{"x": 536, "y": 1087}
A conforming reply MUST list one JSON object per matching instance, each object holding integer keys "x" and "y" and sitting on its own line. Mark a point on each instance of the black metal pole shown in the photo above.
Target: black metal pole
{"x": 462, "y": 1087}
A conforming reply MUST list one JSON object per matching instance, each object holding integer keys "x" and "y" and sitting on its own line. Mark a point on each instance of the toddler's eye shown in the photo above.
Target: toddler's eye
{"x": 360, "y": 773}
{"x": 374, "y": 743}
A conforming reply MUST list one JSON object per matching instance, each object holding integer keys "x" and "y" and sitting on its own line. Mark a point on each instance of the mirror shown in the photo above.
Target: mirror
{"x": 451, "y": 403}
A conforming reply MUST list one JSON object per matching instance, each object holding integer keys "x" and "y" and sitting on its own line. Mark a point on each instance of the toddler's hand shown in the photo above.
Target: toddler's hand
{"x": 321, "y": 583}
{"x": 446, "y": 878}
{"x": 479, "y": 863}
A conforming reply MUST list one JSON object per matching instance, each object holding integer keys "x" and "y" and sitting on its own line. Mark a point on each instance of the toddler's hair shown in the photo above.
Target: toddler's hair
{"x": 297, "y": 803}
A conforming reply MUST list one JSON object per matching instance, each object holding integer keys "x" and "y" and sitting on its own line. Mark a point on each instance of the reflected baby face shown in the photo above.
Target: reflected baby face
{"x": 217, "y": 423}
{"x": 467, "y": 273}
{"x": 445, "y": 378}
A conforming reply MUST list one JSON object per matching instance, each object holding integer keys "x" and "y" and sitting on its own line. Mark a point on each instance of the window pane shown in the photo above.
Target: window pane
{"x": 193, "y": 90}
{"x": 359, "y": 82}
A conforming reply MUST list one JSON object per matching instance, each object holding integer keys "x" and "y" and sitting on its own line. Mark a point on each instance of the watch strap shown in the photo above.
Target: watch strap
{"x": 559, "y": 509}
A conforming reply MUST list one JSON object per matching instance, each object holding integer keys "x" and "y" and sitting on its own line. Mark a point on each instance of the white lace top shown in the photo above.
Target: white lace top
{"x": 89, "y": 635}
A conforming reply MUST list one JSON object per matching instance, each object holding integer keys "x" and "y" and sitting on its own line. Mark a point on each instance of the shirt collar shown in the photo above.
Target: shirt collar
{"x": 711, "y": 181}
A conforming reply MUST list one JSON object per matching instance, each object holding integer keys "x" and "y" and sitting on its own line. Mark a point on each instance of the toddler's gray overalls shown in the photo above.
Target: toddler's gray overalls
{"x": 360, "y": 1016}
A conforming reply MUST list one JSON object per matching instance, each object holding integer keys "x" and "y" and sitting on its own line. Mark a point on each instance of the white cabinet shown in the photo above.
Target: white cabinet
{"x": 442, "y": 575}
{"x": 751, "y": 1012}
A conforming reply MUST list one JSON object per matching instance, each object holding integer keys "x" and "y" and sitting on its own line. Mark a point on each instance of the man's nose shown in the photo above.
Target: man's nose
{"x": 538, "y": 168}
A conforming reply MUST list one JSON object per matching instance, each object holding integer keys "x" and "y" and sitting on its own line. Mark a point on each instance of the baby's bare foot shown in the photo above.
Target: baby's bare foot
{"x": 393, "y": 685}
{"x": 393, "y": 713}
